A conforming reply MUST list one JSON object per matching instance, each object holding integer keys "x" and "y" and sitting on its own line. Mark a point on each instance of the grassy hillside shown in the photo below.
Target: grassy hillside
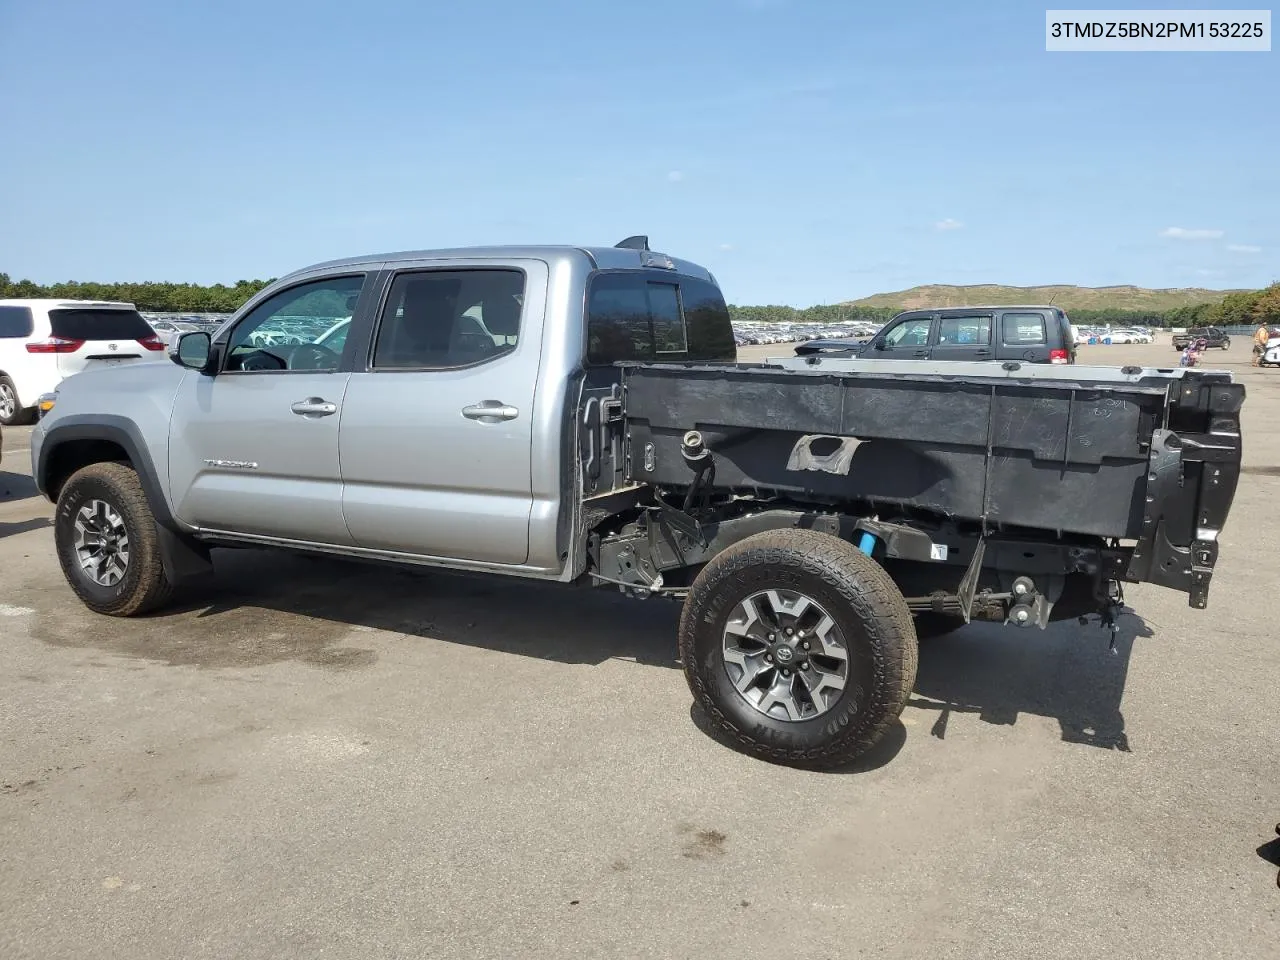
{"x": 1063, "y": 295}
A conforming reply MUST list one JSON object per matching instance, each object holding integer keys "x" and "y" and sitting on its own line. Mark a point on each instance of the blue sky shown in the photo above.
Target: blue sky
{"x": 807, "y": 151}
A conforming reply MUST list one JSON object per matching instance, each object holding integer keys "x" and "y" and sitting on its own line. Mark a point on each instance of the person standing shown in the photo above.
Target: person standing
{"x": 1260, "y": 338}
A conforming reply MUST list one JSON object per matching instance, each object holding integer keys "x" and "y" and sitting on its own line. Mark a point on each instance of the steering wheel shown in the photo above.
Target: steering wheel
{"x": 262, "y": 360}
{"x": 313, "y": 356}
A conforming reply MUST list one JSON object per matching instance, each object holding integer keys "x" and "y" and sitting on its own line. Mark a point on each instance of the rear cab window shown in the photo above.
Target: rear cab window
{"x": 640, "y": 315}
{"x": 98, "y": 323}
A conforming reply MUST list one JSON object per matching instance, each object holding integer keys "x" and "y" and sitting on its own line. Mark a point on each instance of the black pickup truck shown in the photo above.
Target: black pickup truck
{"x": 575, "y": 415}
{"x": 1212, "y": 336}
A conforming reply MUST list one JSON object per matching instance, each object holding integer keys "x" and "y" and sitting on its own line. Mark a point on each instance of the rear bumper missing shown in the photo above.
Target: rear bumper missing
{"x": 1190, "y": 486}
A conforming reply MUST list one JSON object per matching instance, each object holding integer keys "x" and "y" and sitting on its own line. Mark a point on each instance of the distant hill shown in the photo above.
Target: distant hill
{"x": 1062, "y": 295}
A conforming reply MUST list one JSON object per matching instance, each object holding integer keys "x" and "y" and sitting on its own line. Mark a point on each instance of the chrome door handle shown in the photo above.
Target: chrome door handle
{"x": 314, "y": 407}
{"x": 490, "y": 411}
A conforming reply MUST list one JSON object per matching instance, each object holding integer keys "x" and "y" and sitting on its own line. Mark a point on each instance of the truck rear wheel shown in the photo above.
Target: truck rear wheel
{"x": 107, "y": 544}
{"x": 799, "y": 646}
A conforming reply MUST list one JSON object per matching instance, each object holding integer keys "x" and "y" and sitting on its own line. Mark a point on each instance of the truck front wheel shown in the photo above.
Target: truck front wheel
{"x": 107, "y": 543}
{"x": 799, "y": 646}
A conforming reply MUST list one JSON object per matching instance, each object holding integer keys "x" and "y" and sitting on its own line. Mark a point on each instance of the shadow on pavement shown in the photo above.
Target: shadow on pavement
{"x": 1270, "y": 852}
{"x": 16, "y": 486}
{"x": 22, "y": 526}
{"x": 1066, "y": 672}
{"x": 263, "y": 608}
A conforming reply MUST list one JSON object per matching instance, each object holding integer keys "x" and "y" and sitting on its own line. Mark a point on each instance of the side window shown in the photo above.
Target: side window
{"x": 1023, "y": 329}
{"x": 287, "y": 331}
{"x": 15, "y": 322}
{"x": 910, "y": 333}
{"x": 444, "y": 319}
{"x": 964, "y": 331}
{"x": 618, "y": 319}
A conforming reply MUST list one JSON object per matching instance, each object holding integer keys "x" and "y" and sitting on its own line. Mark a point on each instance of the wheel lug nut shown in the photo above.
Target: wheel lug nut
{"x": 768, "y": 658}
{"x": 804, "y": 666}
{"x": 772, "y": 637}
{"x": 804, "y": 644}
{"x": 786, "y": 673}
{"x": 790, "y": 631}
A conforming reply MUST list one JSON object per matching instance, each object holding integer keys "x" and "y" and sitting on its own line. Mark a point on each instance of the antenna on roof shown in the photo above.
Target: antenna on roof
{"x": 638, "y": 242}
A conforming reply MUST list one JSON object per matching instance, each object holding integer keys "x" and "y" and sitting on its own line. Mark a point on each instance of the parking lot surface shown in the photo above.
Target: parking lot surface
{"x": 309, "y": 758}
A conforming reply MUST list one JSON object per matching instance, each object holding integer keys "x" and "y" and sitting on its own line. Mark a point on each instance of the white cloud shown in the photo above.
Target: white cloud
{"x": 1208, "y": 273}
{"x": 675, "y": 176}
{"x": 1184, "y": 233}
{"x": 726, "y": 246}
{"x": 948, "y": 224}
{"x": 1243, "y": 248}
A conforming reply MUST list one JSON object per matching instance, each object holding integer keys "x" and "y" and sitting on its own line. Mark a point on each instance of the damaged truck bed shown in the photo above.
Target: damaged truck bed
{"x": 1001, "y": 491}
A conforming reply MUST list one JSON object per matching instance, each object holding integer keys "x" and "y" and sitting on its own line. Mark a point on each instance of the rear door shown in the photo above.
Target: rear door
{"x": 906, "y": 338}
{"x": 436, "y": 438}
{"x": 89, "y": 336}
{"x": 1024, "y": 335}
{"x": 964, "y": 336}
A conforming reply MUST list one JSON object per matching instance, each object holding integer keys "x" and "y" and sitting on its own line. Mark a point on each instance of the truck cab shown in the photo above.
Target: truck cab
{"x": 410, "y": 405}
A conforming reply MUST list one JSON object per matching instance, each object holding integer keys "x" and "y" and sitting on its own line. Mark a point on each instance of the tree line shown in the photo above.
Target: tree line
{"x": 151, "y": 297}
{"x": 1248, "y": 307}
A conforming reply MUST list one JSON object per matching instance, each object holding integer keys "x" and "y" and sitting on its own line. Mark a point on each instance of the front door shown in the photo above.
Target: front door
{"x": 963, "y": 337}
{"x": 907, "y": 339}
{"x": 437, "y": 429}
{"x": 254, "y": 449}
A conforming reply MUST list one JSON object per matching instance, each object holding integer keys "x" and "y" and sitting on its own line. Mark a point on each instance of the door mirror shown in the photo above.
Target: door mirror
{"x": 193, "y": 351}
{"x": 879, "y": 343}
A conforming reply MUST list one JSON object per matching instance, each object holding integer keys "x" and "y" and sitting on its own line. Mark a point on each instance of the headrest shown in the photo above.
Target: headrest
{"x": 502, "y": 315}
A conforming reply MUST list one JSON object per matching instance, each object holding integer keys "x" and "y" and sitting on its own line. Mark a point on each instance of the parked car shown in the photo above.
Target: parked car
{"x": 1029, "y": 334}
{"x": 803, "y": 511}
{"x": 166, "y": 330}
{"x": 44, "y": 341}
{"x": 1212, "y": 336}
{"x": 1126, "y": 335}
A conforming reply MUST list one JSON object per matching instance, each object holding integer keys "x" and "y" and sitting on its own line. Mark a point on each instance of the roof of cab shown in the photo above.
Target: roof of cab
{"x": 603, "y": 258}
{"x": 984, "y": 306}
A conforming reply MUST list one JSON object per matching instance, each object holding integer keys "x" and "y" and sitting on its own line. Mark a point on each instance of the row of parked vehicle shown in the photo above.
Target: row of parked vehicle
{"x": 755, "y": 334}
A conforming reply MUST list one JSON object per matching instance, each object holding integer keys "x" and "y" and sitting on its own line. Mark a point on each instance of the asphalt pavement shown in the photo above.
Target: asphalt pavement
{"x": 314, "y": 759}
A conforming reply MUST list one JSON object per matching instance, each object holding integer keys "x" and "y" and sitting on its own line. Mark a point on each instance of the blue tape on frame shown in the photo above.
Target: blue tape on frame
{"x": 867, "y": 543}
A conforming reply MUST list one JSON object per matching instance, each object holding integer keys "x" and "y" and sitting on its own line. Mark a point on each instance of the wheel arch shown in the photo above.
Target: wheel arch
{"x": 75, "y": 442}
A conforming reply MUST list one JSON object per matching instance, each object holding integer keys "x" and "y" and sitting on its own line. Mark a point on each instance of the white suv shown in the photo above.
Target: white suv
{"x": 42, "y": 342}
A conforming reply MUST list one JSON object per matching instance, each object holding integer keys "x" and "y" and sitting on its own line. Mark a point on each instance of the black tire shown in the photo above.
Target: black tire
{"x": 144, "y": 586}
{"x": 856, "y": 593}
{"x": 1226, "y": 343}
{"x": 930, "y": 625}
{"x": 21, "y": 415}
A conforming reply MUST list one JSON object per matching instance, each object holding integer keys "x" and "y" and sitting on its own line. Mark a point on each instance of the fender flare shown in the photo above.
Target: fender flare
{"x": 182, "y": 555}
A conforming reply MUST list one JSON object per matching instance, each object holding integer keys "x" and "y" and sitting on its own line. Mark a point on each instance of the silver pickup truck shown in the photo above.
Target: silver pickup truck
{"x": 577, "y": 415}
